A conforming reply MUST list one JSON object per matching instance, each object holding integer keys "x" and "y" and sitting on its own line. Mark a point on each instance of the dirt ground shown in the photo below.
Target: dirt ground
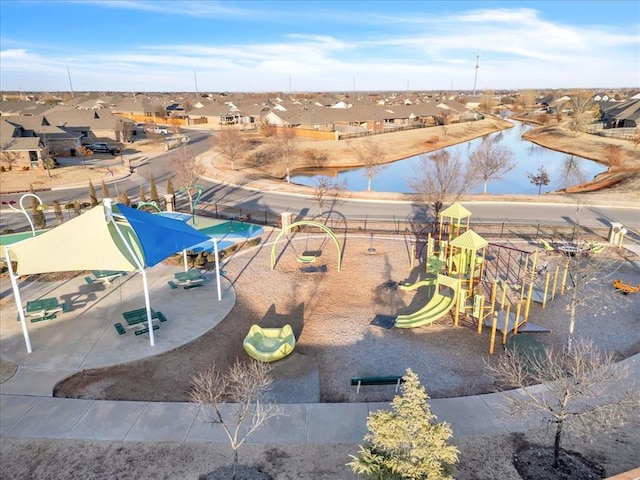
{"x": 331, "y": 313}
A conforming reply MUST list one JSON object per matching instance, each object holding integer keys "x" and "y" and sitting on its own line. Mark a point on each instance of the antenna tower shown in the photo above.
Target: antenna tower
{"x": 475, "y": 80}
{"x": 70, "y": 84}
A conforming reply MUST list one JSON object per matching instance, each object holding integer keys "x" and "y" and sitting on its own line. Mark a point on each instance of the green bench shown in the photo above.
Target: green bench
{"x": 386, "y": 380}
{"x": 146, "y": 330}
{"x": 188, "y": 286}
{"x": 120, "y": 328}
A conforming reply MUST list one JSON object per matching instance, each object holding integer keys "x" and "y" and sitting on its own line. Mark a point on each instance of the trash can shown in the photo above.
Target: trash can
{"x": 615, "y": 233}
{"x": 287, "y": 218}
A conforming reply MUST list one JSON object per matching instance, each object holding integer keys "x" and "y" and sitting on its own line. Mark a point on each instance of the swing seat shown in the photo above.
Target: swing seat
{"x": 306, "y": 258}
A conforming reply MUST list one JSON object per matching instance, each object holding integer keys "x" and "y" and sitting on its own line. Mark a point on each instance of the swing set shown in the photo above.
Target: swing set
{"x": 308, "y": 256}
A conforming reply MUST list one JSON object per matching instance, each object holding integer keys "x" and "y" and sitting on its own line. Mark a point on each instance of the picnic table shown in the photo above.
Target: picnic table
{"x": 104, "y": 276}
{"x": 137, "y": 318}
{"x": 188, "y": 279}
{"x": 44, "y": 309}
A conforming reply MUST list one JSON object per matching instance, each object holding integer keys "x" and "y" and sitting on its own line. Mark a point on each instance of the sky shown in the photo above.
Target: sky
{"x": 317, "y": 46}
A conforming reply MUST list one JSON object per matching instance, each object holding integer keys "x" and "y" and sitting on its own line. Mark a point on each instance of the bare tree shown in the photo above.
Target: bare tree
{"x": 491, "y": 161}
{"x": 581, "y": 104}
{"x": 371, "y": 155}
{"x": 528, "y": 99}
{"x": 84, "y": 153}
{"x": 286, "y": 145}
{"x": 539, "y": 179}
{"x": 187, "y": 170}
{"x": 244, "y": 387}
{"x": 572, "y": 172}
{"x": 231, "y": 144}
{"x": 576, "y": 395}
{"x": 327, "y": 187}
{"x": 7, "y": 156}
{"x": 440, "y": 177}
{"x": 266, "y": 128}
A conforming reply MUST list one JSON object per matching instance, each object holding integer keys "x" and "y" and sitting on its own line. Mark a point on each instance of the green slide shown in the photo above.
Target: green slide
{"x": 436, "y": 308}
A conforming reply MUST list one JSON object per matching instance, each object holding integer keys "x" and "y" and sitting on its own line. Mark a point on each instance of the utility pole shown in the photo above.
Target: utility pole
{"x": 476, "y": 78}
{"x": 70, "y": 84}
{"x": 289, "y": 85}
{"x": 195, "y": 78}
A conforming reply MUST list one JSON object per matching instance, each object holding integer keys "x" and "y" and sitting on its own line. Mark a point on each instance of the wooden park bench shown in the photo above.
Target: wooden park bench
{"x": 388, "y": 380}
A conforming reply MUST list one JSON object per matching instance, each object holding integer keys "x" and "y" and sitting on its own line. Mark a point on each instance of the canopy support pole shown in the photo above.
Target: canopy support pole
{"x": 109, "y": 215}
{"x": 184, "y": 256}
{"x": 215, "y": 249}
{"x": 16, "y": 295}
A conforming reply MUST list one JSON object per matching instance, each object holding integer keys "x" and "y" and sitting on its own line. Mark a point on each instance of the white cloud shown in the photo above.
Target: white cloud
{"x": 518, "y": 49}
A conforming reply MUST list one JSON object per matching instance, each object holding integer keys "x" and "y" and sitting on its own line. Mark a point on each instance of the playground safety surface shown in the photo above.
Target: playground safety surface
{"x": 331, "y": 315}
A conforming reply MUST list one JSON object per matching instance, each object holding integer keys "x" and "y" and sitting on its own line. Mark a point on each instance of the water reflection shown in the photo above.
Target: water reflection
{"x": 564, "y": 170}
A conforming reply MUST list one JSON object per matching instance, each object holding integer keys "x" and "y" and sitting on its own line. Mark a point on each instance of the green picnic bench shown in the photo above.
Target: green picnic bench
{"x": 146, "y": 330}
{"x": 385, "y": 380}
{"x": 139, "y": 316}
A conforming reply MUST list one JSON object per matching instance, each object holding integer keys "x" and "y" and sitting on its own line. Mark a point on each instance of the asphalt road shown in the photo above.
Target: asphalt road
{"x": 276, "y": 202}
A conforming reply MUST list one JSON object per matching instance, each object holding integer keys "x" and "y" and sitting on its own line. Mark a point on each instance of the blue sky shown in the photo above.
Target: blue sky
{"x": 165, "y": 45}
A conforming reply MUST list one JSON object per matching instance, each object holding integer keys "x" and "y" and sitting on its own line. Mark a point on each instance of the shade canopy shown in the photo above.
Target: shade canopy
{"x": 161, "y": 236}
{"x": 90, "y": 242}
{"x": 456, "y": 211}
{"x": 469, "y": 240}
{"x": 107, "y": 237}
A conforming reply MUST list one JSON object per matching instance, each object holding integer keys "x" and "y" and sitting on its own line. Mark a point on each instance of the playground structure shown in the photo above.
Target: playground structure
{"x": 269, "y": 344}
{"x": 495, "y": 284}
{"x": 625, "y": 288}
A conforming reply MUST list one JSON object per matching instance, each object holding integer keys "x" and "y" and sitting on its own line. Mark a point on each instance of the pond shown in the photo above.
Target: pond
{"x": 528, "y": 156}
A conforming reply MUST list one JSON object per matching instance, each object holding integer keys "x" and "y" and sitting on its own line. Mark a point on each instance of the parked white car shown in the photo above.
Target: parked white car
{"x": 157, "y": 129}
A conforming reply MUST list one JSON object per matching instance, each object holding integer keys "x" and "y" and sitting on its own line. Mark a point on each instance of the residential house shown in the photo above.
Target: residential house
{"x": 19, "y": 148}
{"x": 621, "y": 115}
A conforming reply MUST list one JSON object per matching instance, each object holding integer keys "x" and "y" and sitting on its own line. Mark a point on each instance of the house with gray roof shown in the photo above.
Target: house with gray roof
{"x": 20, "y": 147}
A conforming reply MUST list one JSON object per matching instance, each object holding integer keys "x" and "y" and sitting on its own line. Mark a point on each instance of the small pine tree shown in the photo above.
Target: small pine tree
{"x": 37, "y": 212}
{"x": 93, "y": 198}
{"x": 153, "y": 190}
{"x": 123, "y": 198}
{"x": 142, "y": 196}
{"x": 406, "y": 442}
{"x": 57, "y": 210}
{"x": 77, "y": 207}
{"x": 170, "y": 189}
{"x": 105, "y": 190}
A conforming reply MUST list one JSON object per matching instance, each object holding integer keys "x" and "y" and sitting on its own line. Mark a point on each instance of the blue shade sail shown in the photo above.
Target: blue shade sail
{"x": 159, "y": 236}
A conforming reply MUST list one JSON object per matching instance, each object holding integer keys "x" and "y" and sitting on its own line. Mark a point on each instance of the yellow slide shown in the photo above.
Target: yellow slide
{"x": 436, "y": 308}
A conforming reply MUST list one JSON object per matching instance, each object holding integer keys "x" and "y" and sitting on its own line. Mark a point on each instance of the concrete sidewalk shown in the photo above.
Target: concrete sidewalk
{"x": 26, "y": 416}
